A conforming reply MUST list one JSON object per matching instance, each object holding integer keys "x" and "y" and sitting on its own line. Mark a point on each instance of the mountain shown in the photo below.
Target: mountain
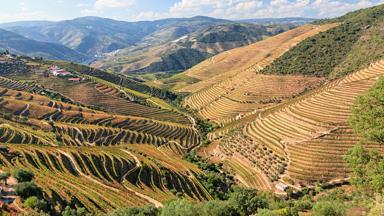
{"x": 287, "y": 20}
{"x": 95, "y": 35}
{"x": 188, "y": 50}
{"x": 20, "y": 45}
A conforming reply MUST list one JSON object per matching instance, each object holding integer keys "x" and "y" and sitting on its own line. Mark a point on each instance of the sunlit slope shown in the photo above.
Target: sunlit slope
{"x": 102, "y": 179}
{"x": 304, "y": 140}
{"x": 252, "y": 57}
{"x": 106, "y": 91}
{"x": 243, "y": 90}
{"x": 84, "y": 126}
{"x": 96, "y": 159}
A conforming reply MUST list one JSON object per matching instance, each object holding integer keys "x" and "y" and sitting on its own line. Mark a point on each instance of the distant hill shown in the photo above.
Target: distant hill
{"x": 20, "y": 45}
{"x": 173, "y": 44}
{"x": 287, "y": 20}
{"x": 188, "y": 50}
{"x": 95, "y": 35}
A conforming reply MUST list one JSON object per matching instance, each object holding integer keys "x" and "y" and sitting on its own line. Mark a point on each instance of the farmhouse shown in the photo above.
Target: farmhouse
{"x": 56, "y": 71}
{"x": 77, "y": 79}
{"x": 281, "y": 186}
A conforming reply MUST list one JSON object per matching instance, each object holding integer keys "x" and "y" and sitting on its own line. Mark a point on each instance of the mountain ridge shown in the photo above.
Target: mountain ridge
{"x": 20, "y": 45}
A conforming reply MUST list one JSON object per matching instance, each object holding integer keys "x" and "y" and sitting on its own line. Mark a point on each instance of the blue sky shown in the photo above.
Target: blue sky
{"x": 133, "y": 10}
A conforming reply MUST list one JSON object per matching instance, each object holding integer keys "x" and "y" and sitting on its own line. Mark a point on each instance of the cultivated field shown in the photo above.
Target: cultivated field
{"x": 236, "y": 89}
{"x": 303, "y": 140}
{"x": 103, "y": 179}
{"x": 102, "y": 159}
{"x": 250, "y": 58}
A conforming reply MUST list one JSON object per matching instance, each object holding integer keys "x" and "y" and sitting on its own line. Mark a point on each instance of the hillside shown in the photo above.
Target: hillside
{"x": 303, "y": 140}
{"x": 283, "y": 118}
{"x": 188, "y": 50}
{"x": 266, "y": 119}
{"x": 95, "y": 35}
{"x": 338, "y": 51}
{"x": 18, "y": 44}
{"x": 230, "y": 63}
{"x": 92, "y": 132}
{"x": 287, "y": 20}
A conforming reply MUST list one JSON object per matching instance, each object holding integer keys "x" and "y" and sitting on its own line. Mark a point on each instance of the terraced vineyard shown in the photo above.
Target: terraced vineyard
{"x": 106, "y": 97}
{"x": 250, "y": 58}
{"x": 302, "y": 141}
{"x": 101, "y": 160}
{"x": 105, "y": 141}
{"x": 240, "y": 89}
{"x": 84, "y": 124}
{"x": 105, "y": 179}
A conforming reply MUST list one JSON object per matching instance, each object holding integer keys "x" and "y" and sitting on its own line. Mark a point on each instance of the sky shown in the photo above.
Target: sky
{"x": 135, "y": 10}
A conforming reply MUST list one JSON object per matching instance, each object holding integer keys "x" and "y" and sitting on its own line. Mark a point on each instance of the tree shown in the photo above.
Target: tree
{"x": 136, "y": 211}
{"x": 328, "y": 208}
{"x": 68, "y": 211}
{"x": 368, "y": 114}
{"x": 35, "y": 203}
{"x": 247, "y": 201}
{"x": 180, "y": 207}
{"x": 23, "y": 175}
{"x": 217, "y": 208}
{"x": 4, "y": 177}
{"x": 27, "y": 189}
{"x": 378, "y": 208}
{"x": 367, "y": 169}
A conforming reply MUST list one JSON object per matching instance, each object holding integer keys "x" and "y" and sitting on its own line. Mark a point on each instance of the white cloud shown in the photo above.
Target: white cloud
{"x": 11, "y": 17}
{"x": 243, "y": 9}
{"x": 100, "y": 6}
{"x": 24, "y": 13}
{"x": 104, "y": 4}
{"x": 150, "y": 15}
{"x": 335, "y": 8}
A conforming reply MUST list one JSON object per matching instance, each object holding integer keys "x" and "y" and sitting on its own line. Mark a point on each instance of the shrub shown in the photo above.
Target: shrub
{"x": 378, "y": 208}
{"x": 368, "y": 114}
{"x": 279, "y": 212}
{"x": 302, "y": 205}
{"x": 68, "y": 211}
{"x": 179, "y": 207}
{"x": 247, "y": 201}
{"x": 328, "y": 208}
{"x": 218, "y": 208}
{"x": 27, "y": 189}
{"x": 367, "y": 169}
{"x": 8, "y": 115}
{"x": 4, "y": 176}
{"x": 35, "y": 203}
{"x": 136, "y": 211}
{"x": 23, "y": 175}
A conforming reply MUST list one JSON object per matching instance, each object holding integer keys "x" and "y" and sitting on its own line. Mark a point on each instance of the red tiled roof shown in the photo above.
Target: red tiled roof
{"x": 74, "y": 79}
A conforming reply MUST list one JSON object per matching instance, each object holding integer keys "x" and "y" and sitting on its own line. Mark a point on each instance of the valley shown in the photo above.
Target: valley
{"x": 254, "y": 118}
